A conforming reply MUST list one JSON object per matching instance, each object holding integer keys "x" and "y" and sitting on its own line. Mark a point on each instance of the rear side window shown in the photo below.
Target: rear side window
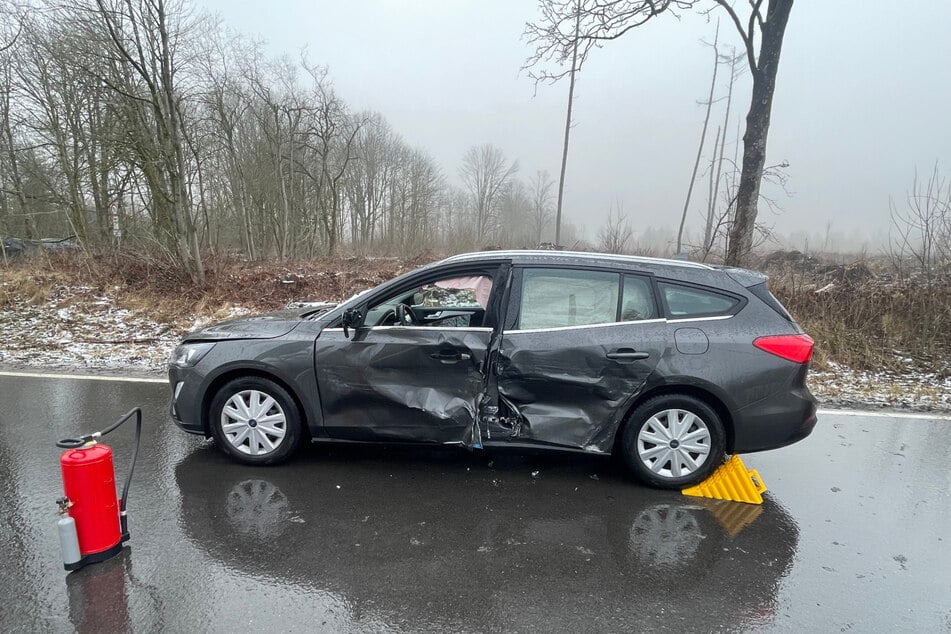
{"x": 555, "y": 298}
{"x": 689, "y": 301}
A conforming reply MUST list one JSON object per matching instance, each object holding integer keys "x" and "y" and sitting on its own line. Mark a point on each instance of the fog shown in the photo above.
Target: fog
{"x": 862, "y": 99}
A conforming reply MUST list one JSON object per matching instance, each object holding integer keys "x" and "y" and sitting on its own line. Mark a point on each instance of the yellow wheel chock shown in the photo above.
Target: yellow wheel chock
{"x": 731, "y": 481}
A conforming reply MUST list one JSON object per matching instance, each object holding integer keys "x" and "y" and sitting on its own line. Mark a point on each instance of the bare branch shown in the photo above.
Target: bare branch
{"x": 567, "y": 25}
{"x": 746, "y": 36}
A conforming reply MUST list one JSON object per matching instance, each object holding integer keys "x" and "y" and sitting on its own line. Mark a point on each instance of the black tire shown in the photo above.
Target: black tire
{"x": 703, "y": 430}
{"x": 251, "y": 443}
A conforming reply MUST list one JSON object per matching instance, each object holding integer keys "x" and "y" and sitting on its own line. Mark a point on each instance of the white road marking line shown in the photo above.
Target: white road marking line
{"x": 884, "y": 414}
{"x": 83, "y": 377}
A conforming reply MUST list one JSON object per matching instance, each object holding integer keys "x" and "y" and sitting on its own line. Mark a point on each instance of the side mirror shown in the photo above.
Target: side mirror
{"x": 352, "y": 318}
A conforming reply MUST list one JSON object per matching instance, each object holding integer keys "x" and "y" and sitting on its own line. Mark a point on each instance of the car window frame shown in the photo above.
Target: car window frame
{"x": 512, "y": 319}
{"x": 662, "y": 298}
{"x": 497, "y": 270}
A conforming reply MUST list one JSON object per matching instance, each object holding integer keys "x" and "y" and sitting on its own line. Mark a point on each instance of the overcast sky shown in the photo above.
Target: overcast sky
{"x": 863, "y": 97}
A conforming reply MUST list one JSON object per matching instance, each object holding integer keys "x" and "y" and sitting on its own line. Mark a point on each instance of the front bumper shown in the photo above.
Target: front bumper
{"x": 186, "y": 406}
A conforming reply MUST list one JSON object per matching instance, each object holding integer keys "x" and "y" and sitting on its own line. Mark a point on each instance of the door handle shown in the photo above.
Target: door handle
{"x": 447, "y": 356}
{"x": 627, "y": 354}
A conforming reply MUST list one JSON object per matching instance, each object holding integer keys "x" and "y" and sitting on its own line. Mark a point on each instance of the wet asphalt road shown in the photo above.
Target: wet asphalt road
{"x": 855, "y": 534}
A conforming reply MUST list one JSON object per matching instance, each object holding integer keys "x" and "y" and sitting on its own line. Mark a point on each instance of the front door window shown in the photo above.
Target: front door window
{"x": 452, "y": 302}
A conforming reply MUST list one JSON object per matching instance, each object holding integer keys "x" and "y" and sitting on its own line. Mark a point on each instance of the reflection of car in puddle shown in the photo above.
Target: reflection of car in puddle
{"x": 418, "y": 535}
{"x": 665, "y": 535}
{"x": 256, "y": 508}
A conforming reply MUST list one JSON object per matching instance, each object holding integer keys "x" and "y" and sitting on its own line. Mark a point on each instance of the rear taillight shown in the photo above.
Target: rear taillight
{"x": 795, "y": 348}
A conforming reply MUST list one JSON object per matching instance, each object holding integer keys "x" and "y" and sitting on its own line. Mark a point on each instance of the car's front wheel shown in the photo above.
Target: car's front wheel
{"x": 255, "y": 421}
{"x": 673, "y": 441}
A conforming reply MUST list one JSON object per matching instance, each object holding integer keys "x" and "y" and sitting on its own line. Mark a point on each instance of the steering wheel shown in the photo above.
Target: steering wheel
{"x": 405, "y": 316}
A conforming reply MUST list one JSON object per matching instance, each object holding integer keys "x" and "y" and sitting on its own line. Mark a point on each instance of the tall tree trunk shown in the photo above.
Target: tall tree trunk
{"x": 757, "y": 129}
{"x": 711, "y": 211}
{"x": 703, "y": 136}
{"x": 708, "y": 235}
{"x": 564, "y": 151}
{"x": 23, "y": 208}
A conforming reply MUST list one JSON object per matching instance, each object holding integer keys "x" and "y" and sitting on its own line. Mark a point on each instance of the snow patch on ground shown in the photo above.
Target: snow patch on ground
{"x": 909, "y": 389}
{"x": 77, "y": 328}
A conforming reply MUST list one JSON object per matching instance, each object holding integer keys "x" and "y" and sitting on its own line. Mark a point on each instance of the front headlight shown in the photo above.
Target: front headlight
{"x": 188, "y": 354}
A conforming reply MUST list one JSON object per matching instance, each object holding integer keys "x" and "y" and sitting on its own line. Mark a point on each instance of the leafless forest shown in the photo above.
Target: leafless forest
{"x": 143, "y": 124}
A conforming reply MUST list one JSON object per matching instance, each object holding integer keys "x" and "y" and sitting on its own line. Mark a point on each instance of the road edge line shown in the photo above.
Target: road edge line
{"x": 884, "y": 414}
{"x": 81, "y": 377}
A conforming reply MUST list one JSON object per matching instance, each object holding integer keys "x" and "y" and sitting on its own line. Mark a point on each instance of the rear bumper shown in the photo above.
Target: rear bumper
{"x": 774, "y": 422}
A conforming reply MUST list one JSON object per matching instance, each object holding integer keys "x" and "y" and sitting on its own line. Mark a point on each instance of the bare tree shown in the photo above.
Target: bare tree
{"x": 703, "y": 136}
{"x": 541, "y": 185}
{"x": 921, "y": 230}
{"x": 226, "y": 103}
{"x": 144, "y": 39}
{"x": 413, "y": 194}
{"x": 453, "y": 231}
{"x": 515, "y": 213}
{"x": 12, "y": 181}
{"x": 376, "y": 147}
{"x": 615, "y": 234}
{"x": 485, "y": 172}
{"x": 554, "y": 38}
{"x": 146, "y": 121}
{"x": 571, "y": 101}
{"x": 60, "y": 100}
{"x": 715, "y": 174}
{"x": 764, "y": 65}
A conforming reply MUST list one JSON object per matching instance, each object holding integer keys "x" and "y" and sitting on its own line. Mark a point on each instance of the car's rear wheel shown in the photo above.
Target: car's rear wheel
{"x": 673, "y": 441}
{"x": 254, "y": 420}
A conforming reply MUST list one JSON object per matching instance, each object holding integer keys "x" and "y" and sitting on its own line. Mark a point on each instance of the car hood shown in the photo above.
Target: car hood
{"x": 266, "y": 326}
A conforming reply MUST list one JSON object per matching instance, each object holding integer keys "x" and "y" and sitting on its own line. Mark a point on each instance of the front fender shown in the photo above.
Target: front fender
{"x": 288, "y": 360}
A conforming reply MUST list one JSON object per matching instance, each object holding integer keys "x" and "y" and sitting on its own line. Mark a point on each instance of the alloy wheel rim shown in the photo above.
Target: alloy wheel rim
{"x": 673, "y": 443}
{"x": 253, "y": 422}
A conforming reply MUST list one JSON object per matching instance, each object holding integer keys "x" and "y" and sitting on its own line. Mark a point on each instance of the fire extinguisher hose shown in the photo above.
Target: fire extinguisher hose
{"x": 75, "y": 443}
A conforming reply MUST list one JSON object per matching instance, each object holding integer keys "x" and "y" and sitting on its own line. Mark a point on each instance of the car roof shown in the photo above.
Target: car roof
{"x": 538, "y": 256}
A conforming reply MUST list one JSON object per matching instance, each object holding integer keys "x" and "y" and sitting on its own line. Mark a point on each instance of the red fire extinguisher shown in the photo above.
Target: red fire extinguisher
{"x": 93, "y": 525}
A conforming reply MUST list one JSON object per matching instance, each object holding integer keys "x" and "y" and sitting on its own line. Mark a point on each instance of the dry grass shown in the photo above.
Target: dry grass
{"x": 34, "y": 287}
{"x": 149, "y": 285}
{"x": 873, "y": 325}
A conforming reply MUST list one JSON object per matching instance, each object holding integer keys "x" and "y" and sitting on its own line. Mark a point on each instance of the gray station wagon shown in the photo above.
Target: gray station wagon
{"x": 670, "y": 364}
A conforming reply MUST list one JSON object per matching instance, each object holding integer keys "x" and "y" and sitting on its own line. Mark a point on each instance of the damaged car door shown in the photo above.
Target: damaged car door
{"x": 577, "y": 348}
{"x": 414, "y": 368}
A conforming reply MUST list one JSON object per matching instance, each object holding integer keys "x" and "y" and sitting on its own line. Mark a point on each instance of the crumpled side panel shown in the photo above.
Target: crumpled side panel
{"x": 564, "y": 388}
{"x": 387, "y": 382}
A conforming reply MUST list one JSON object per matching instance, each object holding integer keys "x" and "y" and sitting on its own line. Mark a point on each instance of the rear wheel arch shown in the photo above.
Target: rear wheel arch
{"x": 699, "y": 393}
